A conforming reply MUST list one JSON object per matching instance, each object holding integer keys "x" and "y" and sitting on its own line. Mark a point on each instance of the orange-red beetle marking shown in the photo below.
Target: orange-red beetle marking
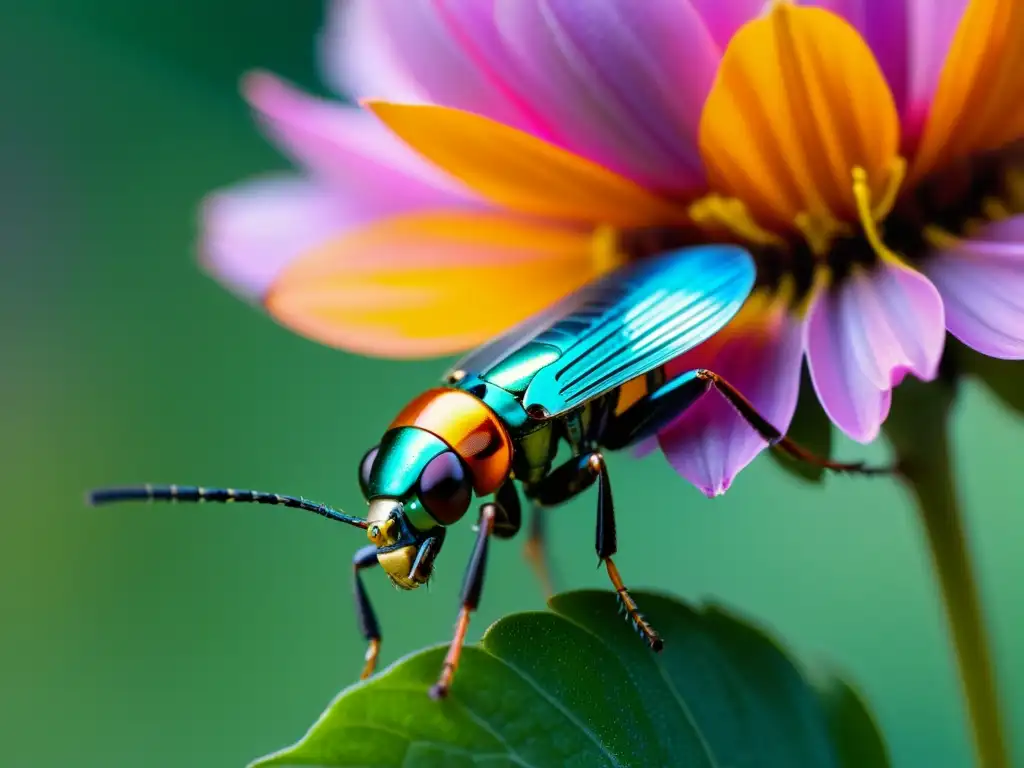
{"x": 468, "y": 426}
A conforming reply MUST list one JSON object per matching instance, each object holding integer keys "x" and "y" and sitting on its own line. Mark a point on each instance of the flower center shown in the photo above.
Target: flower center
{"x": 899, "y": 225}
{"x": 958, "y": 201}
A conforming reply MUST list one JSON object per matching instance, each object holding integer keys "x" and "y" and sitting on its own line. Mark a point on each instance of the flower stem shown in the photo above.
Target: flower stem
{"x": 919, "y": 431}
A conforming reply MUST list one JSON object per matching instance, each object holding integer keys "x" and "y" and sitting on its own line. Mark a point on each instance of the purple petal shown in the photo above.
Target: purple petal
{"x": 358, "y": 171}
{"x": 864, "y": 337}
{"x": 710, "y": 443}
{"x": 348, "y": 148}
{"x": 931, "y": 25}
{"x": 249, "y": 233}
{"x": 620, "y": 87}
{"x": 410, "y": 51}
{"x": 644, "y": 448}
{"x": 883, "y": 25}
{"x": 982, "y": 284}
{"x": 910, "y": 40}
{"x": 357, "y": 57}
{"x": 723, "y": 17}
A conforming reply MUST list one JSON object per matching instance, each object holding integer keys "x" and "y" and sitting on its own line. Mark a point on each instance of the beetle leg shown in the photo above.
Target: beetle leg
{"x": 535, "y": 550}
{"x": 775, "y": 438}
{"x": 652, "y": 412}
{"x": 607, "y": 545}
{"x": 567, "y": 481}
{"x": 472, "y": 587}
{"x": 509, "y": 512}
{"x": 657, "y": 410}
{"x": 366, "y": 557}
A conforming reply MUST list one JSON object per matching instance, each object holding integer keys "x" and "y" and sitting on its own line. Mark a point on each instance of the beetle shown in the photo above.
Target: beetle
{"x": 500, "y": 414}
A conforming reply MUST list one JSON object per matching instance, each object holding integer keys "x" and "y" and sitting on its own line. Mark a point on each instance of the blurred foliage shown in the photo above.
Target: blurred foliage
{"x": 212, "y": 43}
{"x": 576, "y": 687}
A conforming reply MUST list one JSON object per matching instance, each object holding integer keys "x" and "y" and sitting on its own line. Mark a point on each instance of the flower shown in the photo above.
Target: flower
{"x": 867, "y": 152}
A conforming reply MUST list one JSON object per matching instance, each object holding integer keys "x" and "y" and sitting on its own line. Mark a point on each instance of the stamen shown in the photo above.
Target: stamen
{"x": 862, "y": 194}
{"x": 604, "y": 249}
{"x": 995, "y": 209}
{"x": 764, "y": 309}
{"x": 939, "y": 238}
{"x": 822, "y": 281}
{"x": 732, "y": 214}
{"x": 1014, "y": 183}
{"x": 785, "y": 291}
{"x": 972, "y": 226}
{"x": 897, "y": 173}
{"x": 818, "y": 231}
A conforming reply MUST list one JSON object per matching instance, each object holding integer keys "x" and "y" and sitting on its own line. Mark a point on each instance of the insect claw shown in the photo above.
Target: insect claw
{"x": 438, "y": 691}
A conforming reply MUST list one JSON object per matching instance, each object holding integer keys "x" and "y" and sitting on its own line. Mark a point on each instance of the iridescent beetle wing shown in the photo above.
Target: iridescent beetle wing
{"x": 624, "y": 325}
{"x": 485, "y": 357}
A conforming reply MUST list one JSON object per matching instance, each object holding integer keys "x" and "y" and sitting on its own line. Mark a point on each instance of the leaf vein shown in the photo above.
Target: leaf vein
{"x": 479, "y": 720}
{"x": 687, "y": 713}
{"x": 565, "y": 711}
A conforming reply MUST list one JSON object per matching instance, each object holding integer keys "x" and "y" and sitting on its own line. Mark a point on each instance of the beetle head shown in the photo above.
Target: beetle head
{"x": 416, "y": 486}
{"x": 405, "y": 553}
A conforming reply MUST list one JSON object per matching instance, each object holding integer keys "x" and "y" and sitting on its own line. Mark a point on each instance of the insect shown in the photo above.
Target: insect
{"x": 498, "y": 419}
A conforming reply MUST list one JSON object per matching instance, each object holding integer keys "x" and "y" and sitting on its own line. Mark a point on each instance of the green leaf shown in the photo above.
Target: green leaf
{"x": 854, "y": 732}
{"x": 811, "y": 428}
{"x": 574, "y": 686}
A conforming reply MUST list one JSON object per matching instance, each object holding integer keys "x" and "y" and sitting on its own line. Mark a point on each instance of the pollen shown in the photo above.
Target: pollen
{"x": 939, "y": 238}
{"x": 732, "y": 215}
{"x": 1014, "y": 182}
{"x": 819, "y": 231}
{"x": 1005, "y": 199}
{"x": 606, "y": 253}
{"x": 995, "y": 209}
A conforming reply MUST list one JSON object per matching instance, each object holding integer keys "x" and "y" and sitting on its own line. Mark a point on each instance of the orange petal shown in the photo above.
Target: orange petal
{"x": 520, "y": 172}
{"x": 979, "y": 104}
{"x": 429, "y": 284}
{"x": 799, "y": 101}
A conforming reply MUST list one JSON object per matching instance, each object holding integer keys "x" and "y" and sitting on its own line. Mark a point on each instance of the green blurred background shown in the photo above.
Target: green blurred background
{"x": 159, "y": 636}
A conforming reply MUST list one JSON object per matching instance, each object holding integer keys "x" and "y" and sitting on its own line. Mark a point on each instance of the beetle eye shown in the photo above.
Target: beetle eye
{"x": 365, "y": 467}
{"x": 444, "y": 488}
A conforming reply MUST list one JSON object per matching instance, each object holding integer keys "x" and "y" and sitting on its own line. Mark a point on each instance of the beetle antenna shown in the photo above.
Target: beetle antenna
{"x": 223, "y": 495}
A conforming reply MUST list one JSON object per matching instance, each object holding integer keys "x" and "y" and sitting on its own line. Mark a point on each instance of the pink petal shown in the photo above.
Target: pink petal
{"x": 883, "y": 25}
{"x": 931, "y": 25}
{"x": 349, "y": 149}
{"x": 621, "y": 87}
{"x": 710, "y": 443}
{"x": 408, "y": 51}
{"x": 359, "y": 171}
{"x": 357, "y": 57}
{"x": 723, "y": 18}
{"x": 644, "y": 447}
{"x": 982, "y": 284}
{"x": 864, "y": 337}
{"x": 250, "y": 232}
